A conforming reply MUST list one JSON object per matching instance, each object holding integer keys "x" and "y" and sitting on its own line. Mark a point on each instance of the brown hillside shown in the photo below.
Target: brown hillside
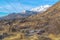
{"x": 49, "y": 19}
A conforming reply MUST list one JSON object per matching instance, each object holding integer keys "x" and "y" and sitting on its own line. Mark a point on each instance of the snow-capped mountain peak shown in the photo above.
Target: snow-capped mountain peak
{"x": 41, "y": 8}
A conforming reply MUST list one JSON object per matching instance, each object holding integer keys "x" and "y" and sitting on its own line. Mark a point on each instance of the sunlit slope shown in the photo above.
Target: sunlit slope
{"x": 49, "y": 19}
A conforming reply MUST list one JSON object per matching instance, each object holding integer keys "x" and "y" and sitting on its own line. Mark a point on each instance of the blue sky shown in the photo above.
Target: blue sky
{"x": 10, "y": 6}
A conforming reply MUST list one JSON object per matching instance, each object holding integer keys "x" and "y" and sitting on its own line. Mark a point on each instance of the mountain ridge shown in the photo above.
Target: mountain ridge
{"x": 27, "y": 13}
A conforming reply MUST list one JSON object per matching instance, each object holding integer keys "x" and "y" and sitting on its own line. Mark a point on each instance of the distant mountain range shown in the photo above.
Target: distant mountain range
{"x": 27, "y": 13}
{"x": 19, "y": 15}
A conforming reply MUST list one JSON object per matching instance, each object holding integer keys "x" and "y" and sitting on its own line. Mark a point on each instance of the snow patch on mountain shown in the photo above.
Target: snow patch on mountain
{"x": 41, "y": 8}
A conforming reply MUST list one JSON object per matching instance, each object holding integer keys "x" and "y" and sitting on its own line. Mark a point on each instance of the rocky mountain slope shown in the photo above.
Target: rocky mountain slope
{"x": 49, "y": 19}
